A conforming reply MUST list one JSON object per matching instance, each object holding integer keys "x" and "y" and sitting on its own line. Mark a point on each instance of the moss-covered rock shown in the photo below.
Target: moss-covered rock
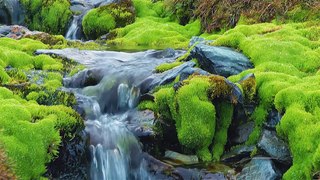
{"x": 31, "y": 133}
{"x": 199, "y": 123}
{"x": 50, "y": 16}
{"x": 154, "y": 28}
{"x": 101, "y": 20}
{"x": 286, "y": 60}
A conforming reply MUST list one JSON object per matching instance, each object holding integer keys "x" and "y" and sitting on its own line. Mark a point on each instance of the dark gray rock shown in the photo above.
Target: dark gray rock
{"x": 220, "y": 60}
{"x": 237, "y": 154}
{"x": 11, "y": 12}
{"x": 273, "y": 119}
{"x": 242, "y": 133}
{"x": 276, "y": 148}
{"x": 259, "y": 168}
{"x": 88, "y": 77}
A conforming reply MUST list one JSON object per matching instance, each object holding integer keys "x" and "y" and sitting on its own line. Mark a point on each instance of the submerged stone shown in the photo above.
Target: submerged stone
{"x": 237, "y": 154}
{"x": 220, "y": 60}
{"x": 178, "y": 158}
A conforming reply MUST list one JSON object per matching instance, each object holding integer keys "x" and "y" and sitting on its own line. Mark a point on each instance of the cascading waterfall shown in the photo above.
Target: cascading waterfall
{"x": 74, "y": 30}
{"x": 109, "y": 105}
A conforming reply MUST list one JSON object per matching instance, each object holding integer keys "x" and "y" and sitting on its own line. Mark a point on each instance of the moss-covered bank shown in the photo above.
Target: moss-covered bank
{"x": 30, "y": 132}
{"x": 286, "y": 59}
{"x": 154, "y": 28}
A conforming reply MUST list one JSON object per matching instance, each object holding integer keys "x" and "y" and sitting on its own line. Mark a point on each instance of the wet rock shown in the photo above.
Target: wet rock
{"x": 167, "y": 53}
{"x": 140, "y": 123}
{"x": 11, "y": 12}
{"x": 237, "y": 154}
{"x": 276, "y": 148}
{"x": 273, "y": 119}
{"x": 259, "y": 168}
{"x": 220, "y": 60}
{"x": 147, "y": 97}
{"x": 177, "y": 158}
{"x": 72, "y": 161}
{"x": 198, "y": 40}
{"x": 242, "y": 133}
{"x": 88, "y": 77}
{"x": 164, "y": 78}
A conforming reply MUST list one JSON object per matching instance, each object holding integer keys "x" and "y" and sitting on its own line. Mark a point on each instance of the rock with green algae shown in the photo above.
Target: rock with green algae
{"x": 286, "y": 59}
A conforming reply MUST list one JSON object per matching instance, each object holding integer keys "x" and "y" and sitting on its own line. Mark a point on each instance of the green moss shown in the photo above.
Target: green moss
{"x": 45, "y": 62}
{"x": 286, "y": 59}
{"x": 42, "y": 15}
{"x": 76, "y": 69}
{"x": 194, "y": 115}
{"x": 101, "y": 20}
{"x": 167, "y": 66}
{"x": 153, "y": 29}
{"x": 224, "y": 114}
{"x": 196, "y": 126}
{"x": 26, "y": 45}
{"x": 146, "y": 105}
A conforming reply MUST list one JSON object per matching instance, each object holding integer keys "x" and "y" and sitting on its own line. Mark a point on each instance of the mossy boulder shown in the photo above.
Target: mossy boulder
{"x": 200, "y": 115}
{"x": 101, "y": 20}
{"x": 41, "y": 15}
{"x": 286, "y": 60}
{"x": 154, "y": 28}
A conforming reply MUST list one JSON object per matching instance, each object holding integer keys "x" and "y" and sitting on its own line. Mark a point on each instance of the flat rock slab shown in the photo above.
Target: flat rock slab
{"x": 261, "y": 168}
{"x": 220, "y": 60}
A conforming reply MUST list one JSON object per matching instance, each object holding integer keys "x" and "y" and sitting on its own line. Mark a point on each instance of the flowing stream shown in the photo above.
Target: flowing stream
{"x": 109, "y": 106}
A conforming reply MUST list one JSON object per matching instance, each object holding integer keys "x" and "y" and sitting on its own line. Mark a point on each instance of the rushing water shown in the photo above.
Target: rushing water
{"x": 74, "y": 31}
{"x": 80, "y": 9}
{"x": 109, "y": 105}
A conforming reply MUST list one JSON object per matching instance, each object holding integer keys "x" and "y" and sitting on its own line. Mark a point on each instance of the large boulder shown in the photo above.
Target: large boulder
{"x": 220, "y": 60}
{"x": 259, "y": 168}
{"x": 11, "y": 12}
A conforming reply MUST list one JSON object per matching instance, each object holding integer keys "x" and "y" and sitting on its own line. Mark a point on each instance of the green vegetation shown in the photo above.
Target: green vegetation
{"x": 224, "y": 114}
{"x": 153, "y": 28}
{"x": 50, "y": 16}
{"x": 167, "y": 66}
{"x": 194, "y": 114}
{"x": 101, "y": 20}
{"x": 286, "y": 59}
{"x": 216, "y": 15}
{"x": 30, "y": 133}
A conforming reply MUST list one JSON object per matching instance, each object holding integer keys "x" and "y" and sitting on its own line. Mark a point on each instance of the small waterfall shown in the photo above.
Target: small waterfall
{"x": 74, "y": 30}
{"x": 109, "y": 108}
